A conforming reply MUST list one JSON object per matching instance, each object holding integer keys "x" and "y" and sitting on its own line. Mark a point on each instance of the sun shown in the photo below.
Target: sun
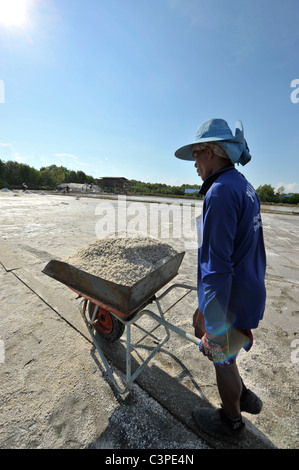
{"x": 13, "y": 12}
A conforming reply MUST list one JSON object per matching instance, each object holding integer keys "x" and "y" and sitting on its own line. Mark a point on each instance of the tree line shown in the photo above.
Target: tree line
{"x": 139, "y": 187}
{"x": 13, "y": 174}
{"x": 267, "y": 193}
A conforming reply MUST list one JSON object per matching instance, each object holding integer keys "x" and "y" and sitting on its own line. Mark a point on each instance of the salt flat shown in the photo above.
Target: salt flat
{"x": 54, "y": 390}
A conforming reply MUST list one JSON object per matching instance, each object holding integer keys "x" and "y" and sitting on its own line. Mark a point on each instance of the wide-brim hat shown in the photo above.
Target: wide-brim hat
{"x": 217, "y": 130}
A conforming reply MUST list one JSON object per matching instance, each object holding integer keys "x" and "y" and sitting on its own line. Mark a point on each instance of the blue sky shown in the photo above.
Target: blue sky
{"x": 114, "y": 87}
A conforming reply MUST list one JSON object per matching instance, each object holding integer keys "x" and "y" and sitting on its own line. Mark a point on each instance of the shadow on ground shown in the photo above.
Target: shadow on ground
{"x": 173, "y": 396}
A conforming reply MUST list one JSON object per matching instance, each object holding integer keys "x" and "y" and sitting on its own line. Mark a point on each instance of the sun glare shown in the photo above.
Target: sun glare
{"x": 13, "y": 12}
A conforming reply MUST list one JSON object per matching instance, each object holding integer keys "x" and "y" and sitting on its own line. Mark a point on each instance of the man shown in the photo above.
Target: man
{"x": 231, "y": 270}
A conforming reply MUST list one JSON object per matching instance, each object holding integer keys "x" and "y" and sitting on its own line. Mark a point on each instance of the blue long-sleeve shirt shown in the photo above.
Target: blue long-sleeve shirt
{"x": 231, "y": 259}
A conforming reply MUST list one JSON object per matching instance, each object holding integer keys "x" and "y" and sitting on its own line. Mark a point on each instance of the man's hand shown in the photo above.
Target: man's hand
{"x": 215, "y": 347}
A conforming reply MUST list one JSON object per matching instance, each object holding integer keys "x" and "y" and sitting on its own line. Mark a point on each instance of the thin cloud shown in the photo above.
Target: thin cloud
{"x": 71, "y": 156}
{"x": 288, "y": 187}
{"x": 12, "y": 153}
{"x": 8, "y": 145}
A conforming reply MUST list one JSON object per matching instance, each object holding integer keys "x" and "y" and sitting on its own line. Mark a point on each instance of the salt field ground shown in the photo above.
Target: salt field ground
{"x": 54, "y": 390}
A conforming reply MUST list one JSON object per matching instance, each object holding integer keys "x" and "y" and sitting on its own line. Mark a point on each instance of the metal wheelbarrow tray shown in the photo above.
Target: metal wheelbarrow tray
{"x": 121, "y": 300}
{"x": 109, "y": 304}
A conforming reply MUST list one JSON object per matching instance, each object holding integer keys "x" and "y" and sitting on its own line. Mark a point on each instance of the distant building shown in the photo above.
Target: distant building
{"x": 116, "y": 185}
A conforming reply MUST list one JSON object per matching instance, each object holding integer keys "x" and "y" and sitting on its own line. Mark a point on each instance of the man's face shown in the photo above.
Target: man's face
{"x": 202, "y": 161}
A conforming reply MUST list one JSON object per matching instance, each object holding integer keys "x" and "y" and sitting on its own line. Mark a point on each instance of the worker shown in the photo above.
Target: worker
{"x": 231, "y": 270}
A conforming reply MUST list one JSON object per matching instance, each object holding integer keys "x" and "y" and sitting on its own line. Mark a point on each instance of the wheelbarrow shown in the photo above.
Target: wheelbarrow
{"x": 109, "y": 308}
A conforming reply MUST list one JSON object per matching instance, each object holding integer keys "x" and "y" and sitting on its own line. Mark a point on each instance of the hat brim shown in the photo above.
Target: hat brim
{"x": 185, "y": 152}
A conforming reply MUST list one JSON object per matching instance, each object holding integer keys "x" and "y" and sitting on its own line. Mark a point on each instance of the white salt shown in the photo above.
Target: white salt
{"x": 122, "y": 260}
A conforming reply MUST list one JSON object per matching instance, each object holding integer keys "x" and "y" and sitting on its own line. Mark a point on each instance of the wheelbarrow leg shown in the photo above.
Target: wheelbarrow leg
{"x": 160, "y": 319}
{"x": 128, "y": 357}
{"x": 131, "y": 377}
{"x": 102, "y": 356}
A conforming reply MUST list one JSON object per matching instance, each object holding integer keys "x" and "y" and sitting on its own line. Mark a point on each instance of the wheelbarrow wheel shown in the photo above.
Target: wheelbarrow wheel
{"x": 107, "y": 326}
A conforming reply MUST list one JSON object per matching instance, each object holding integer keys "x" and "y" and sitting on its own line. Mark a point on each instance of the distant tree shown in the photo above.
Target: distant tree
{"x": 46, "y": 178}
{"x": 13, "y": 173}
{"x": 280, "y": 190}
{"x": 266, "y": 193}
{"x": 71, "y": 177}
{"x": 81, "y": 177}
{"x": 3, "y": 182}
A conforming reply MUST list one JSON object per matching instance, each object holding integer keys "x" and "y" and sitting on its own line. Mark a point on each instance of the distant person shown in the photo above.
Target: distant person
{"x": 24, "y": 186}
{"x": 67, "y": 189}
{"x": 231, "y": 270}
